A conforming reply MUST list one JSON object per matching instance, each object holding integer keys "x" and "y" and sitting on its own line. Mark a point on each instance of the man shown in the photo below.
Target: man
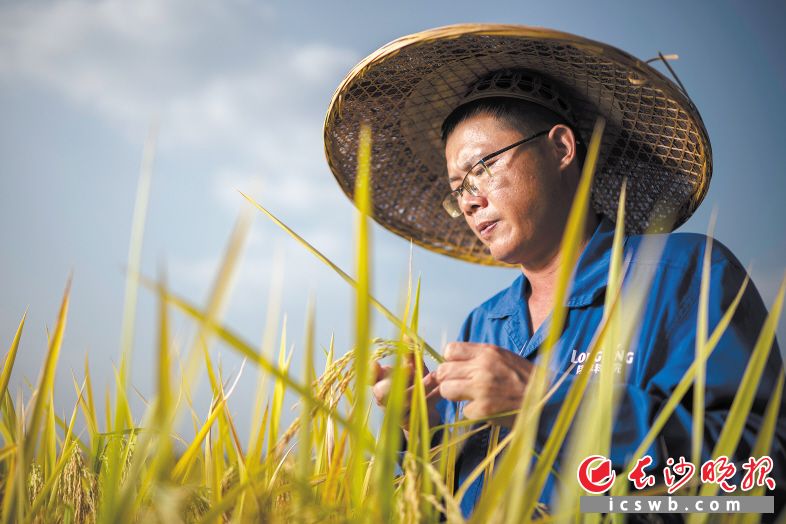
{"x": 505, "y": 110}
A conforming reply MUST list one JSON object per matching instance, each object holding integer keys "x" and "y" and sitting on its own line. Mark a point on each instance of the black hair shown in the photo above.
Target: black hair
{"x": 526, "y": 117}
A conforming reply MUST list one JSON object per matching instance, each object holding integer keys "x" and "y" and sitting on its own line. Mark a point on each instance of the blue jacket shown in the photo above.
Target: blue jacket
{"x": 661, "y": 352}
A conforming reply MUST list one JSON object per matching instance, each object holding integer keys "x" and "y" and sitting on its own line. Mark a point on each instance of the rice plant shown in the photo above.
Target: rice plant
{"x": 329, "y": 465}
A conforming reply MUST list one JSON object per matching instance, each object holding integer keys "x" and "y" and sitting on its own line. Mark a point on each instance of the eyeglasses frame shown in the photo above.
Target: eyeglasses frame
{"x": 465, "y": 187}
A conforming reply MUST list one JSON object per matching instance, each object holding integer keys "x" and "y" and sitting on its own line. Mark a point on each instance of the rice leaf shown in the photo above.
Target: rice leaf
{"x": 236, "y": 343}
{"x": 186, "y": 459}
{"x": 164, "y": 401}
{"x": 343, "y": 274}
{"x": 569, "y": 254}
{"x": 49, "y": 438}
{"x": 257, "y": 429}
{"x": 389, "y": 442}
{"x": 279, "y": 389}
{"x": 682, "y": 387}
{"x": 702, "y": 330}
{"x": 362, "y": 313}
{"x": 304, "y": 459}
{"x": 593, "y": 420}
{"x": 743, "y": 400}
{"x": 134, "y": 261}
{"x": 512, "y": 473}
{"x": 419, "y": 422}
{"x": 46, "y": 382}
{"x": 763, "y": 443}
{"x": 218, "y": 296}
{"x": 10, "y": 358}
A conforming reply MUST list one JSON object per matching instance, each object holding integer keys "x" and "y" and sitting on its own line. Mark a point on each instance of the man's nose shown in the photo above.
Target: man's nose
{"x": 469, "y": 203}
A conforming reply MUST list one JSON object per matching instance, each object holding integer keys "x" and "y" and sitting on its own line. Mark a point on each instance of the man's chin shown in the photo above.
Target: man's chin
{"x": 504, "y": 256}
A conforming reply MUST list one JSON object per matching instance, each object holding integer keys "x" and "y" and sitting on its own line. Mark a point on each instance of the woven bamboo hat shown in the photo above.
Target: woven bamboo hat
{"x": 404, "y": 91}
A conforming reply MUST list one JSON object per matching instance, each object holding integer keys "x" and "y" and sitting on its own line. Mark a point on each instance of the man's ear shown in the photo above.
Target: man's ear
{"x": 564, "y": 144}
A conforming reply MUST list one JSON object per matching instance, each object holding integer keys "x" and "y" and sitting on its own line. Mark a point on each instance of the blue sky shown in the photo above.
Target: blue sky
{"x": 238, "y": 90}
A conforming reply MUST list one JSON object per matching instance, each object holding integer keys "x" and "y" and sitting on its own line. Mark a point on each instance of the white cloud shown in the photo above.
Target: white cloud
{"x": 300, "y": 192}
{"x": 258, "y": 262}
{"x": 313, "y": 63}
{"x": 200, "y": 68}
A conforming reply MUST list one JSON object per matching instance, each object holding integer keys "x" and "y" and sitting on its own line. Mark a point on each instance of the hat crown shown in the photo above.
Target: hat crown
{"x": 524, "y": 85}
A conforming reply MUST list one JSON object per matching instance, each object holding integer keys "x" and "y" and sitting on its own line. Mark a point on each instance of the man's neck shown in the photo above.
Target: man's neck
{"x": 543, "y": 276}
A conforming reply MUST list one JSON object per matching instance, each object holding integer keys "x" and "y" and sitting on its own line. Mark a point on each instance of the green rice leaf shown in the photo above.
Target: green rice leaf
{"x": 279, "y": 389}
{"x": 362, "y": 313}
{"x": 10, "y": 358}
{"x": 682, "y": 387}
{"x": 46, "y": 382}
{"x": 343, "y": 274}
{"x": 513, "y": 471}
{"x": 257, "y": 431}
{"x": 304, "y": 458}
{"x": 236, "y": 343}
{"x": 134, "y": 260}
{"x": 743, "y": 400}
{"x": 702, "y": 330}
{"x": 763, "y": 443}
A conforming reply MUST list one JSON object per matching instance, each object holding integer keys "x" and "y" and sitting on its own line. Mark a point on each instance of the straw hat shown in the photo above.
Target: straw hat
{"x": 654, "y": 134}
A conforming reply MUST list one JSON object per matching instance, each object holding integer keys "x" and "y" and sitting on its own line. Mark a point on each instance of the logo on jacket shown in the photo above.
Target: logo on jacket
{"x": 579, "y": 358}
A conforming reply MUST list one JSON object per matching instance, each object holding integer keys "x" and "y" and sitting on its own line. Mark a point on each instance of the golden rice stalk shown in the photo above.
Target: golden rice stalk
{"x": 343, "y": 274}
{"x": 592, "y": 424}
{"x": 410, "y": 500}
{"x": 77, "y": 489}
{"x": 258, "y": 426}
{"x": 763, "y": 443}
{"x": 11, "y": 357}
{"x": 134, "y": 259}
{"x": 32, "y": 432}
{"x": 279, "y": 389}
{"x": 237, "y": 344}
{"x": 682, "y": 387}
{"x": 522, "y": 507}
{"x": 702, "y": 329}
{"x": 513, "y": 469}
{"x": 449, "y": 505}
{"x": 46, "y": 382}
{"x": 740, "y": 408}
{"x": 304, "y": 496}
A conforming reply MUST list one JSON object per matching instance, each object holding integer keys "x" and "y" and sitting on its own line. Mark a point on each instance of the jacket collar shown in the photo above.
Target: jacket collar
{"x": 589, "y": 279}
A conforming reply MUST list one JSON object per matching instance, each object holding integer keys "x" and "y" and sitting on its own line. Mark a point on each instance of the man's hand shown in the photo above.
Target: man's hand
{"x": 491, "y": 378}
{"x": 383, "y": 380}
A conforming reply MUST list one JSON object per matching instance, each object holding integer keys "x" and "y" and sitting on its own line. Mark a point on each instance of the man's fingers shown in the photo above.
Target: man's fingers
{"x": 430, "y": 382}
{"x": 381, "y": 390}
{"x": 383, "y": 382}
{"x": 461, "y": 350}
{"x": 455, "y": 390}
{"x": 379, "y": 372}
{"x": 453, "y": 370}
{"x": 413, "y": 365}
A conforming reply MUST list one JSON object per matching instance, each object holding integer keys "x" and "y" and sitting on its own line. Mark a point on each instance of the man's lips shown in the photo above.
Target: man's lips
{"x": 485, "y": 229}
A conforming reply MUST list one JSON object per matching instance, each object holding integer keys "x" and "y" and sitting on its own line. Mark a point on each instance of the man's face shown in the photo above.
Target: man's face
{"x": 521, "y": 213}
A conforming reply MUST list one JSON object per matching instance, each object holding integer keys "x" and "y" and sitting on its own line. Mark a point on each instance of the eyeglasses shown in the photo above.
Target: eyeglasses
{"x": 474, "y": 179}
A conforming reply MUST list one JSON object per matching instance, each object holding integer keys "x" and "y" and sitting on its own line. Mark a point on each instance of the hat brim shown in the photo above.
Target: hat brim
{"x": 654, "y": 135}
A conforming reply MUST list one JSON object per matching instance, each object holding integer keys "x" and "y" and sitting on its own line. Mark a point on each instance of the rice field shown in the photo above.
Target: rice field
{"x": 330, "y": 465}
